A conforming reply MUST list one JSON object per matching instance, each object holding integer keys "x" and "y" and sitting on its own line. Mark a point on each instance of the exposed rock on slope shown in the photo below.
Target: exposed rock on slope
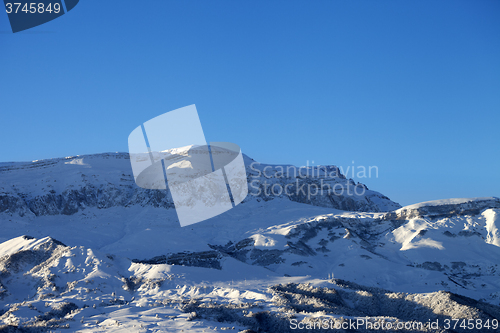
{"x": 445, "y": 208}
{"x": 83, "y": 290}
{"x": 68, "y": 185}
{"x": 127, "y": 265}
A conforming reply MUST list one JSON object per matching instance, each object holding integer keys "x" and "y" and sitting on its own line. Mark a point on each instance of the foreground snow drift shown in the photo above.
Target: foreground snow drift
{"x": 105, "y": 256}
{"x": 273, "y": 269}
{"x": 48, "y": 285}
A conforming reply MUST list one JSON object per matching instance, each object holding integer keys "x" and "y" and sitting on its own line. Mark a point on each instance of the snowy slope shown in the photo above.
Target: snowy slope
{"x": 330, "y": 266}
{"x": 69, "y": 185}
{"x": 83, "y": 249}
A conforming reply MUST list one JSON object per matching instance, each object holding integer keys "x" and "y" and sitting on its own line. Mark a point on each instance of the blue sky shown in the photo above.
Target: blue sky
{"x": 412, "y": 87}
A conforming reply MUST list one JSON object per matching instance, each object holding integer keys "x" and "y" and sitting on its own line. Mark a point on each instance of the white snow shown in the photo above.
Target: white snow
{"x": 442, "y": 202}
{"x": 492, "y": 217}
{"x": 295, "y": 242}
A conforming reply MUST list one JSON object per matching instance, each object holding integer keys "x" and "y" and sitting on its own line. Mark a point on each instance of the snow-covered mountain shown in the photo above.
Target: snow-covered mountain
{"x": 69, "y": 185}
{"x": 84, "y": 249}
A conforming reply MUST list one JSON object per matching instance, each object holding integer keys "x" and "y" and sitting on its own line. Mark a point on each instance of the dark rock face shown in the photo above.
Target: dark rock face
{"x": 432, "y": 266}
{"x": 13, "y": 204}
{"x": 67, "y": 186}
{"x": 468, "y": 207}
{"x": 207, "y": 259}
{"x": 69, "y": 202}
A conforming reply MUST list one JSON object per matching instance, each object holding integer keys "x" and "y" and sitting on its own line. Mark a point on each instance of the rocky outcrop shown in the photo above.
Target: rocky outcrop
{"x": 207, "y": 259}
{"x": 66, "y": 186}
{"x": 444, "y": 208}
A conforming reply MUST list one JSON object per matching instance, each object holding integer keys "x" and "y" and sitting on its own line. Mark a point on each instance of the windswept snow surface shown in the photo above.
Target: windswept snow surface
{"x": 65, "y": 186}
{"x": 130, "y": 267}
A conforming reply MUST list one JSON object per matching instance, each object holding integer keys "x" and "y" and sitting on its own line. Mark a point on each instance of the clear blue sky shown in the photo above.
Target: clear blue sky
{"x": 412, "y": 87}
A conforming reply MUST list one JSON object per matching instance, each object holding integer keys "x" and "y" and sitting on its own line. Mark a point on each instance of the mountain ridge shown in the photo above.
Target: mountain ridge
{"x": 68, "y": 185}
{"x": 119, "y": 260}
